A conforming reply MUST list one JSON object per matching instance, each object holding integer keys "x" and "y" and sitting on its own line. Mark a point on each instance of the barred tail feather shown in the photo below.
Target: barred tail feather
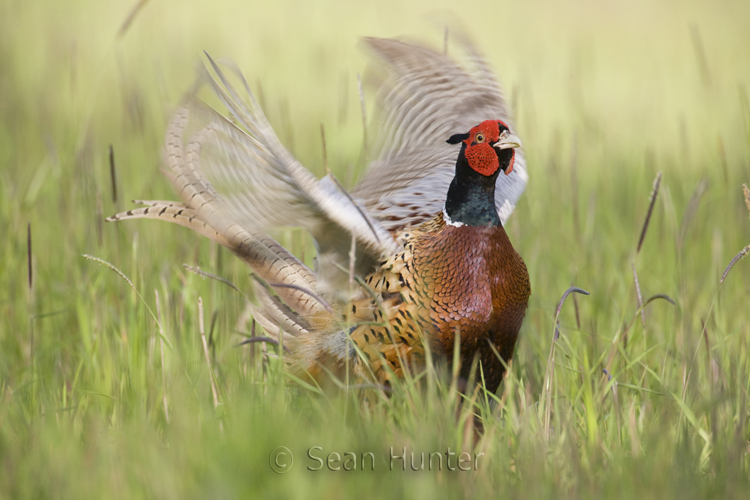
{"x": 176, "y": 213}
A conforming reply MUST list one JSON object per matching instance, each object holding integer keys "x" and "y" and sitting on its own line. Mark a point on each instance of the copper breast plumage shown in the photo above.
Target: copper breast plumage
{"x": 447, "y": 281}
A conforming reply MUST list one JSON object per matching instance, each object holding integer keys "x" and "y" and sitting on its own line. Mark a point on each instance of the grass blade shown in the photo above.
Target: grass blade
{"x": 652, "y": 202}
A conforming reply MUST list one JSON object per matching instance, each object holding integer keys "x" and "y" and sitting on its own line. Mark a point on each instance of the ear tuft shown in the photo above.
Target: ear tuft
{"x": 455, "y": 139}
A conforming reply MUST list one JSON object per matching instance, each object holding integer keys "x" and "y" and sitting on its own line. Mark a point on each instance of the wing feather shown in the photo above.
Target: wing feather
{"x": 426, "y": 97}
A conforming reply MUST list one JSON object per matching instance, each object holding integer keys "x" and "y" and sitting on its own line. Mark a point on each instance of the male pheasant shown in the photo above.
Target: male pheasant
{"x": 432, "y": 259}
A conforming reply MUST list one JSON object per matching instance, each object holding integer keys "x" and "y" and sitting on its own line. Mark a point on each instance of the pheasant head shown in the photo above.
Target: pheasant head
{"x": 486, "y": 150}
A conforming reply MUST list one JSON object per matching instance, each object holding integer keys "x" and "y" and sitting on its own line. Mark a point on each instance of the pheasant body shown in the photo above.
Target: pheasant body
{"x": 455, "y": 275}
{"x": 447, "y": 281}
{"x": 433, "y": 260}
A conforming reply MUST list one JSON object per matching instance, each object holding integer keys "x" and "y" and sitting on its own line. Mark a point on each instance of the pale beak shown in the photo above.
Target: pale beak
{"x": 508, "y": 141}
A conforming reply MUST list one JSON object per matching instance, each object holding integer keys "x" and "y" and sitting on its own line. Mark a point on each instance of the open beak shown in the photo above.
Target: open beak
{"x": 508, "y": 141}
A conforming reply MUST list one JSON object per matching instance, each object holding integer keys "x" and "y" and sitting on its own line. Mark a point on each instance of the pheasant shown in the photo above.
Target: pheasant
{"x": 424, "y": 225}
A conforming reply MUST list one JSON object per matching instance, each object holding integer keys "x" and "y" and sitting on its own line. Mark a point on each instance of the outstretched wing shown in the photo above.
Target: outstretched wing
{"x": 271, "y": 262}
{"x": 237, "y": 181}
{"x": 425, "y": 98}
{"x": 259, "y": 185}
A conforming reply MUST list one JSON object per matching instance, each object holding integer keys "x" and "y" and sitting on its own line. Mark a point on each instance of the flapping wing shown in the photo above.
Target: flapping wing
{"x": 425, "y": 98}
{"x": 258, "y": 184}
{"x": 236, "y": 181}
{"x": 200, "y": 203}
{"x": 265, "y": 186}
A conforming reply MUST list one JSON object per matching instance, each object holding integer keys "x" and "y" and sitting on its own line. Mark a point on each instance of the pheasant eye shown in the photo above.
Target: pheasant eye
{"x": 479, "y": 138}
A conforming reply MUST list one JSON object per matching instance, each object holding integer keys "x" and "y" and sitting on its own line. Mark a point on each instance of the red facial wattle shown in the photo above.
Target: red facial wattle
{"x": 482, "y": 157}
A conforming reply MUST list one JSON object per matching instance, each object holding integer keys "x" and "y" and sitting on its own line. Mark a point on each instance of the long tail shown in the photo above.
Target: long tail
{"x": 286, "y": 295}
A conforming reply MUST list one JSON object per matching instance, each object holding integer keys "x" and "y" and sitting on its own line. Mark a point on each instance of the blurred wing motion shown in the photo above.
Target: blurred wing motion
{"x": 425, "y": 99}
{"x": 237, "y": 181}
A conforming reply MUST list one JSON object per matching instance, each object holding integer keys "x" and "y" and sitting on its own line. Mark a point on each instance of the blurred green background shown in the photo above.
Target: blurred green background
{"x": 606, "y": 93}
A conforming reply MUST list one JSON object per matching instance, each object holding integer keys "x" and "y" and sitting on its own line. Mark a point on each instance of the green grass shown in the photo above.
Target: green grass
{"x": 607, "y": 95}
